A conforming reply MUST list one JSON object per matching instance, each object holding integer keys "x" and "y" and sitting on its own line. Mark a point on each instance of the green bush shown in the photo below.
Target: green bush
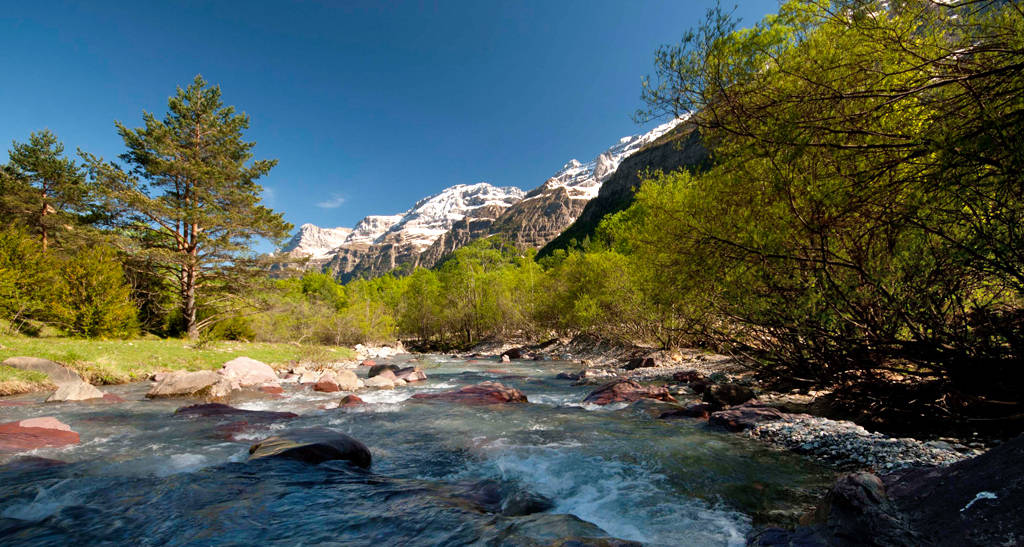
{"x": 91, "y": 298}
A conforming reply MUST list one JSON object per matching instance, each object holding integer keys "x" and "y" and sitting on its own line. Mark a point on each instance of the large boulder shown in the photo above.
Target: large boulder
{"x": 747, "y": 415}
{"x": 484, "y": 393}
{"x": 376, "y": 370}
{"x": 56, "y": 372}
{"x": 75, "y": 391}
{"x": 341, "y": 380}
{"x": 971, "y": 502}
{"x": 313, "y": 445}
{"x": 248, "y": 372}
{"x": 203, "y": 383}
{"x": 35, "y": 433}
{"x": 627, "y": 391}
{"x": 411, "y": 374}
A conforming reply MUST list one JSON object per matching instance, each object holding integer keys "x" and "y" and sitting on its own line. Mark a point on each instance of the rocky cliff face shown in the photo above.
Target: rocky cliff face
{"x": 437, "y": 225}
{"x": 678, "y": 149}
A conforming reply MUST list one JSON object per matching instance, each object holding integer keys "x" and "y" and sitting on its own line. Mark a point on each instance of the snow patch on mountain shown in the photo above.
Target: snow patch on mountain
{"x": 316, "y": 242}
{"x": 432, "y": 216}
{"x": 584, "y": 180}
{"x": 371, "y": 228}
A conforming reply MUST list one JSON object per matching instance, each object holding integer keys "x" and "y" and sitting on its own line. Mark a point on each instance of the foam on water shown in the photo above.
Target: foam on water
{"x": 625, "y": 499}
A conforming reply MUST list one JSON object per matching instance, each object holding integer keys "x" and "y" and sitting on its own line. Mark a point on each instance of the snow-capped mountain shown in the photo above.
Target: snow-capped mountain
{"x": 432, "y": 216}
{"x": 316, "y": 242}
{"x": 583, "y": 180}
{"x": 439, "y": 224}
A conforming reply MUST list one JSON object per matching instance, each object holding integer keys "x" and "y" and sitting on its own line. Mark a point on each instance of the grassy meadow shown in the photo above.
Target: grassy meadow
{"x": 121, "y": 361}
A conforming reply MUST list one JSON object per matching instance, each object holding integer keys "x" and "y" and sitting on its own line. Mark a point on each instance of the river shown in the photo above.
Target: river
{"x": 144, "y": 476}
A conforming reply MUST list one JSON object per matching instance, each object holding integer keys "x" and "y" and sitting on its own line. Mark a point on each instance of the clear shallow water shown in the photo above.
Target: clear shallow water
{"x": 144, "y": 476}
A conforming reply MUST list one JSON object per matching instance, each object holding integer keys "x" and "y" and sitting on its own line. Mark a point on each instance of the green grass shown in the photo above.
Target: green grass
{"x": 121, "y": 361}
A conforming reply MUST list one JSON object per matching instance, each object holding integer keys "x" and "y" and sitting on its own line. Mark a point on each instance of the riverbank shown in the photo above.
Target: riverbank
{"x": 111, "y": 362}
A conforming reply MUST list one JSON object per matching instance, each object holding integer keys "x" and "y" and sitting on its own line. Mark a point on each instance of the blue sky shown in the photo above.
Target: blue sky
{"x": 367, "y": 106}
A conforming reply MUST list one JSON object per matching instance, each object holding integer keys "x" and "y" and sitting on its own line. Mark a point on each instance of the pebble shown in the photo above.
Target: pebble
{"x": 848, "y": 445}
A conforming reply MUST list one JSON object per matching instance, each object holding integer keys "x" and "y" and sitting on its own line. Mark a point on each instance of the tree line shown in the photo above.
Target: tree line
{"x": 861, "y": 214}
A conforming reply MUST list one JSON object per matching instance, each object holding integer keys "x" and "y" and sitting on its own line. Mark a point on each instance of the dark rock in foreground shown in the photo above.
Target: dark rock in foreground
{"x": 693, "y": 410}
{"x": 35, "y": 433}
{"x": 313, "y": 445}
{"x": 971, "y": 502}
{"x": 484, "y": 393}
{"x": 639, "y": 362}
{"x": 727, "y": 394}
{"x": 626, "y": 391}
{"x": 747, "y": 415}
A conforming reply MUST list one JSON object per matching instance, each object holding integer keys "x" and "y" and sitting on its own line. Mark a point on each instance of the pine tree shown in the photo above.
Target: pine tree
{"x": 41, "y": 186}
{"x": 191, "y": 190}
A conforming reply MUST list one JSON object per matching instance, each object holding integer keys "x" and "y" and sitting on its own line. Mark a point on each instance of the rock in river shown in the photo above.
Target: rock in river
{"x": 748, "y": 415}
{"x": 411, "y": 374}
{"x": 248, "y": 372}
{"x": 626, "y": 391}
{"x": 727, "y": 394}
{"x": 376, "y": 370}
{"x": 313, "y": 445}
{"x": 191, "y": 384}
{"x": 35, "y": 433}
{"x": 217, "y": 409}
{"x": 484, "y": 393}
{"x": 75, "y": 391}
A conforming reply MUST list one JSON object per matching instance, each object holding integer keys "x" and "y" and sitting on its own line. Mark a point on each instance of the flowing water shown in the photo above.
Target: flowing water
{"x": 144, "y": 476}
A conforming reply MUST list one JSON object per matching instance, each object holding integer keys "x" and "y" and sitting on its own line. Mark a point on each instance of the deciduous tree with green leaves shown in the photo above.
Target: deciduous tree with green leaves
{"x": 190, "y": 187}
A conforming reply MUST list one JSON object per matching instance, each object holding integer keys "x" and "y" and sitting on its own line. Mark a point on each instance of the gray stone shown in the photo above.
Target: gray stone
{"x": 58, "y": 373}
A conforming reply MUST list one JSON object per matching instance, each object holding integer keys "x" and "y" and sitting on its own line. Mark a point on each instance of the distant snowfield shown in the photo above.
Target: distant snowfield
{"x": 433, "y": 216}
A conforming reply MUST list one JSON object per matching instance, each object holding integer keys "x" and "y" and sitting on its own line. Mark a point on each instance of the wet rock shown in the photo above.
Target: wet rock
{"x": 746, "y": 416}
{"x": 313, "y": 445}
{"x": 56, "y": 372}
{"x": 626, "y": 391}
{"x": 350, "y": 400}
{"x": 248, "y": 372}
{"x": 692, "y": 410}
{"x": 381, "y": 381}
{"x": 506, "y": 359}
{"x": 203, "y": 383}
{"x": 639, "y": 362}
{"x": 567, "y": 376}
{"x": 727, "y": 394}
{"x": 74, "y": 391}
{"x": 368, "y": 363}
{"x": 484, "y": 393}
{"x": 209, "y": 410}
{"x": 328, "y": 382}
{"x": 593, "y": 542}
{"x": 376, "y": 370}
{"x": 411, "y": 374}
{"x": 273, "y": 389}
{"x": 687, "y": 376}
{"x": 971, "y": 502}
{"x": 35, "y": 433}
{"x": 492, "y": 496}
{"x": 514, "y": 353}
{"x": 111, "y": 398}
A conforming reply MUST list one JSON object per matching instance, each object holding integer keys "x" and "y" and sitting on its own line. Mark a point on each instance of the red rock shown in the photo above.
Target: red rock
{"x": 14, "y": 403}
{"x": 627, "y": 391}
{"x": 484, "y": 393}
{"x": 111, "y": 398}
{"x": 272, "y": 390}
{"x": 497, "y": 371}
{"x": 326, "y": 386}
{"x": 35, "y": 433}
{"x": 368, "y": 363}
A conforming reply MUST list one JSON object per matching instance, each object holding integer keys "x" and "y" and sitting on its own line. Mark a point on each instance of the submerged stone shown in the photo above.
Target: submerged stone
{"x": 627, "y": 391}
{"x": 484, "y": 393}
{"x": 313, "y": 445}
